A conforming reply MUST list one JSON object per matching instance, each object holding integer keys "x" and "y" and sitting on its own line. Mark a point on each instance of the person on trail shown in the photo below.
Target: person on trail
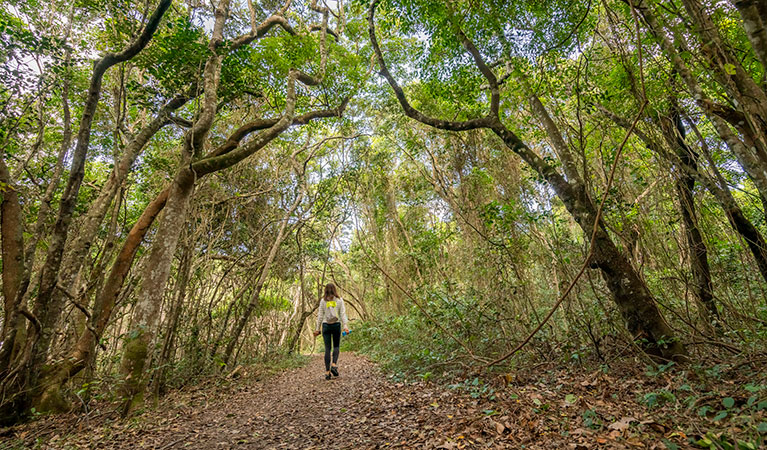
{"x": 331, "y": 318}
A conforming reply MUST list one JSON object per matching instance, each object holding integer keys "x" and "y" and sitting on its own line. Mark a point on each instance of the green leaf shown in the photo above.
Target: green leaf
{"x": 721, "y": 415}
{"x": 705, "y": 443}
{"x": 570, "y": 398}
{"x": 762, "y": 427}
{"x": 728, "y": 402}
{"x": 730, "y": 69}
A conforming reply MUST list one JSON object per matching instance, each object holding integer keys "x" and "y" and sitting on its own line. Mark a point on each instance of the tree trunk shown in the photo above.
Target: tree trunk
{"x": 53, "y": 184}
{"x": 303, "y": 315}
{"x": 169, "y": 341}
{"x": 88, "y": 228}
{"x": 144, "y": 321}
{"x": 741, "y": 88}
{"x": 15, "y": 275}
{"x": 735, "y": 215}
{"x": 716, "y": 186}
{"x": 635, "y": 302}
{"x": 220, "y": 338}
{"x": 674, "y": 134}
{"x": 146, "y": 311}
{"x": 755, "y": 24}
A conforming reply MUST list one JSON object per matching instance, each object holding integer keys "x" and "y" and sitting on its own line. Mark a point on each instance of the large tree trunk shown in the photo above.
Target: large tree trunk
{"x": 76, "y": 255}
{"x": 146, "y": 311}
{"x": 635, "y": 302}
{"x": 15, "y": 275}
{"x": 12, "y": 242}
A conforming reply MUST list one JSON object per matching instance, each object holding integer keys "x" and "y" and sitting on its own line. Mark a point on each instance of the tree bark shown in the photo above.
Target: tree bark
{"x": 15, "y": 275}
{"x": 146, "y": 311}
{"x": 755, "y": 24}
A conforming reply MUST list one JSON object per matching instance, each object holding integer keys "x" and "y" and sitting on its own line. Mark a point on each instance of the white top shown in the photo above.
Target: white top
{"x": 331, "y": 312}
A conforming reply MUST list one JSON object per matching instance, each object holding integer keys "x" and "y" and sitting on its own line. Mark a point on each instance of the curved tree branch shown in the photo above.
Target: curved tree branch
{"x": 411, "y": 112}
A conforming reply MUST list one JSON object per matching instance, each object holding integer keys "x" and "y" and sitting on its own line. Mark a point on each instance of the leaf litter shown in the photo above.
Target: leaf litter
{"x": 365, "y": 409}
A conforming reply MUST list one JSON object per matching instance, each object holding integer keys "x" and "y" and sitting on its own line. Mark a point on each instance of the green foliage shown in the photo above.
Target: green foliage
{"x": 654, "y": 399}
{"x": 591, "y": 419}
{"x": 175, "y": 59}
{"x": 399, "y": 344}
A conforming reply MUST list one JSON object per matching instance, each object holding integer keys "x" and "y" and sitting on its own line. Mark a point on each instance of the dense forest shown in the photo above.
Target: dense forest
{"x": 496, "y": 187}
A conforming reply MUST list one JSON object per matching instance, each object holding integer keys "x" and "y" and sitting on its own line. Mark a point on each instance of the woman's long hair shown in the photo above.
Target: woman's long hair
{"x": 330, "y": 292}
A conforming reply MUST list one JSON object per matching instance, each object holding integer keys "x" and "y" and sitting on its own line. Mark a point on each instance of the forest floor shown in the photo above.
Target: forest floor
{"x": 363, "y": 408}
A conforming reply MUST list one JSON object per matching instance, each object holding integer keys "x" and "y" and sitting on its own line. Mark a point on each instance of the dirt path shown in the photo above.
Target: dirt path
{"x": 364, "y": 409}
{"x": 300, "y": 409}
{"x": 361, "y": 409}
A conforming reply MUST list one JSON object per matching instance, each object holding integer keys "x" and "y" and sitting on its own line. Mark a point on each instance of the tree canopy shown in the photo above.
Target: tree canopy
{"x": 492, "y": 183}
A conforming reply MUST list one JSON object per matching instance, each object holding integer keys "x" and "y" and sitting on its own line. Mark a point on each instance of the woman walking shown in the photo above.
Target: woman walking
{"x": 331, "y": 318}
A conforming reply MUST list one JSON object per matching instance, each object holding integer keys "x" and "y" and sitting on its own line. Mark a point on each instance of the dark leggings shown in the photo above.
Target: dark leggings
{"x": 331, "y": 330}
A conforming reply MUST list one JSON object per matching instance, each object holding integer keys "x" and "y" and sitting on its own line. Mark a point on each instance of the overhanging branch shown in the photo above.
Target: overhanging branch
{"x": 483, "y": 122}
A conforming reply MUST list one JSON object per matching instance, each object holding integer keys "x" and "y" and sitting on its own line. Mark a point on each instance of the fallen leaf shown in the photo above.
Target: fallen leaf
{"x": 621, "y": 424}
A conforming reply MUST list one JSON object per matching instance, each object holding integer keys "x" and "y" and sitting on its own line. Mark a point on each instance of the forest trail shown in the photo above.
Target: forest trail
{"x": 365, "y": 409}
{"x": 301, "y": 410}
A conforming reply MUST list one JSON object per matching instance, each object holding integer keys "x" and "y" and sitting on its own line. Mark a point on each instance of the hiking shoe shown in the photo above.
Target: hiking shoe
{"x": 327, "y": 376}
{"x": 334, "y": 371}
